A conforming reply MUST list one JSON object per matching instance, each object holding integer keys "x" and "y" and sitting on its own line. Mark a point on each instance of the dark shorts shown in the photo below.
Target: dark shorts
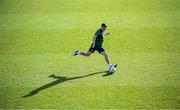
{"x": 96, "y": 47}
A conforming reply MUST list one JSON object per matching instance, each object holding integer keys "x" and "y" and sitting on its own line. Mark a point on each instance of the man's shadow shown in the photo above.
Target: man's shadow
{"x": 60, "y": 79}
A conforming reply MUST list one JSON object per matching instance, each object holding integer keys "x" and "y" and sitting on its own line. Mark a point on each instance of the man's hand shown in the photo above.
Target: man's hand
{"x": 106, "y": 33}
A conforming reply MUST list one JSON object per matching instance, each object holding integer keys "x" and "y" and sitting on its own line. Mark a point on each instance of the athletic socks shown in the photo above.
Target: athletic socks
{"x": 110, "y": 64}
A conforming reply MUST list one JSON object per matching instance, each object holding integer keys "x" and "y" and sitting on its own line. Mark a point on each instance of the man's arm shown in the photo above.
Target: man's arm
{"x": 106, "y": 33}
{"x": 94, "y": 41}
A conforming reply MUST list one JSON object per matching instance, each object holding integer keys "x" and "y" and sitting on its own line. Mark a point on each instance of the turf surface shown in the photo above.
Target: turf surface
{"x": 38, "y": 71}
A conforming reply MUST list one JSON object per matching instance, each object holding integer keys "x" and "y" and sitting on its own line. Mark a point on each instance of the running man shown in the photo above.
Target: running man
{"x": 97, "y": 45}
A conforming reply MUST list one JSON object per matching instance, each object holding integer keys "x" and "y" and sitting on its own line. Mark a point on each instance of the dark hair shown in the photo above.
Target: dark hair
{"x": 103, "y": 25}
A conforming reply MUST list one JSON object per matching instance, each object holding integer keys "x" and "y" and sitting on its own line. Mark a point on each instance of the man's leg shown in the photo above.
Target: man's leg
{"x": 88, "y": 53}
{"x": 106, "y": 57}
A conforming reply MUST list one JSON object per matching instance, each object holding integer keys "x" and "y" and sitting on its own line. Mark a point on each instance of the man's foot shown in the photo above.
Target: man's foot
{"x": 112, "y": 66}
{"x": 115, "y": 65}
{"x": 76, "y": 53}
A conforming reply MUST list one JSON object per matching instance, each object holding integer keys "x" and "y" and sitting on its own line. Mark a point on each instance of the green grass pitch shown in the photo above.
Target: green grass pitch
{"x": 37, "y": 70}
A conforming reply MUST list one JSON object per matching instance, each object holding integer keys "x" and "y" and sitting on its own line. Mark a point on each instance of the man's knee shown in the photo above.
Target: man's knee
{"x": 104, "y": 54}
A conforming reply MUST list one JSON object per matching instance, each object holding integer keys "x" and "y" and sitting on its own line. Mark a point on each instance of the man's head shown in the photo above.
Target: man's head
{"x": 103, "y": 27}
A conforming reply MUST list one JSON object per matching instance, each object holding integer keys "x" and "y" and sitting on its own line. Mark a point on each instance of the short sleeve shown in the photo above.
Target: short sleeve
{"x": 97, "y": 32}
